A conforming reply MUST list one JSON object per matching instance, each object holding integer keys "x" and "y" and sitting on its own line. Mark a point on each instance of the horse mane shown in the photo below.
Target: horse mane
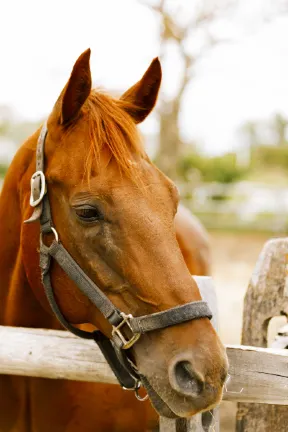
{"x": 110, "y": 126}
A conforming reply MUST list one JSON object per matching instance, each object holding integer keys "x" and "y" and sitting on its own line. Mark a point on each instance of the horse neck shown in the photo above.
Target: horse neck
{"x": 18, "y": 305}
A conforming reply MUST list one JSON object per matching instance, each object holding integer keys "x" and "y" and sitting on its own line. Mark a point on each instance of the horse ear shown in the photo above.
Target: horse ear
{"x": 143, "y": 95}
{"x": 77, "y": 89}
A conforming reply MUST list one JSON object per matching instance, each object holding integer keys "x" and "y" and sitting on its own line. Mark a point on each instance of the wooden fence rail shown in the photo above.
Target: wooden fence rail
{"x": 256, "y": 374}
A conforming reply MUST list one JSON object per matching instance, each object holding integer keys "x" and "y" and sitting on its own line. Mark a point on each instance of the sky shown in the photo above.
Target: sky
{"x": 243, "y": 79}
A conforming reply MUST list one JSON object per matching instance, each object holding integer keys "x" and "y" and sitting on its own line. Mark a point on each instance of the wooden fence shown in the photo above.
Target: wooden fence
{"x": 266, "y": 297}
{"x": 257, "y": 375}
{"x": 58, "y": 354}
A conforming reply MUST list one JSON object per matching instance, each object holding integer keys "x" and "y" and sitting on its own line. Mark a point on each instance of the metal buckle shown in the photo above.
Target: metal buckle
{"x": 127, "y": 343}
{"x": 34, "y": 203}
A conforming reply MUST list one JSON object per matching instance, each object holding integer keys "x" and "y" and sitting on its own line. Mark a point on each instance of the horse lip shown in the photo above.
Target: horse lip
{"x": 165, "y": 410}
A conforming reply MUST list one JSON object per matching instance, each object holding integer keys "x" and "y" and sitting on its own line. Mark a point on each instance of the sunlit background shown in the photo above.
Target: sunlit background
{"x": 220, "y": 126}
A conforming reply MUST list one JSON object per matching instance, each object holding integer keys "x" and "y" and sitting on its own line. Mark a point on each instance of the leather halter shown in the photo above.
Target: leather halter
{"x": 126, "y": 329}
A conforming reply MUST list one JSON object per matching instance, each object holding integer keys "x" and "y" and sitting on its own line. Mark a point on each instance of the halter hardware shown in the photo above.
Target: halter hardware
{"x": 127, "y": 343}
{"x": 114, "y": 349}
{"x": 54, "y": 232}
{"x": 136, "y": 389}
{"x": 41, "y": 189}
{"x": 140, "y": 398}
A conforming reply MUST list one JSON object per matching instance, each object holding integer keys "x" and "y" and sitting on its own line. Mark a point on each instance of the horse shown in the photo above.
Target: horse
{"x": 193, "y": 241}
{"x": 114, "y": 213}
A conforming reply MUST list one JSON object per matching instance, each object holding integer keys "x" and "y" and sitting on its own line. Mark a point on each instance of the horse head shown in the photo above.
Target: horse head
{"x": 114, "y": 213}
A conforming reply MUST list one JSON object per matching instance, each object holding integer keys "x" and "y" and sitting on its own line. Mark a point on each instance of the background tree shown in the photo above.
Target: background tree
{"x": 188, "y": 27}
{"x": 188, "y": 30}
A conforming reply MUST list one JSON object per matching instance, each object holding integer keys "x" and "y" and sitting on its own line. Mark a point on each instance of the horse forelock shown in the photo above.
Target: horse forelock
{"x": 110, "y": 128}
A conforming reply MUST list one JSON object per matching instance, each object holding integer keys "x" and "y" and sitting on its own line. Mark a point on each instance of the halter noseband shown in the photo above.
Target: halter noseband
{"x": 126, "y": 329}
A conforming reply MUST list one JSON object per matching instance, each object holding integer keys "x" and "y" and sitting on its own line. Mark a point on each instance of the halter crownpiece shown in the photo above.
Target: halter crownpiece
{"x": 126, "y": 329}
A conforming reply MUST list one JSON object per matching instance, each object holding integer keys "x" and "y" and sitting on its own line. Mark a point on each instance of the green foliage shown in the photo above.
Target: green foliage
{"x": 270, "y": 156}
{"x": 3, "y": 170}
{"x": 219, "y": 197}
{"x": 221, "y": 169}
{"x": 188, "y": 164}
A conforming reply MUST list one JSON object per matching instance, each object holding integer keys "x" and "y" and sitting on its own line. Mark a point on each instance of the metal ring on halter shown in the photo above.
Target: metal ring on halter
{"x": 56, "y": 236}
{"x": 136, "y": 387}
{"x": 141, "y": 399}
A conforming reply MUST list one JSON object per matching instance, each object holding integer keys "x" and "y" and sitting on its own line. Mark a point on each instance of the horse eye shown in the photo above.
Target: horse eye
{"x": 88, "y": 214}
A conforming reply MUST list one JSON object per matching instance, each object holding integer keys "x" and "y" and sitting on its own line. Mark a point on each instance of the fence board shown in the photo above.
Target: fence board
{"x": 181, "y": 425}
{"x": 263, "y": 373}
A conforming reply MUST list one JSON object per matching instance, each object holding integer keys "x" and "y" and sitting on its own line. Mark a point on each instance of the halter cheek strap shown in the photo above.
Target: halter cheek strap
{"x": 126, "y": 329}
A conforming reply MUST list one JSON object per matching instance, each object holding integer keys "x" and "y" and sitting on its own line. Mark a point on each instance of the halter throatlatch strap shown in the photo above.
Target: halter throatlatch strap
{"x": 126, "y": 329}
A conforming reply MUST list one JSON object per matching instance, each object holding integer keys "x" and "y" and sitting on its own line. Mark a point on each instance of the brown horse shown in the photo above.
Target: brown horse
{"x": 193, "y": 242}
{"x": 114, "y": 212}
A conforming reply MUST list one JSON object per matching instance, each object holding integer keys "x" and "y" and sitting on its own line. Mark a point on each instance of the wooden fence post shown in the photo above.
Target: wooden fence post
{"x": 266, "y": 297}
{"x": 181, "y": 425}
{"x": 208, "y": 420}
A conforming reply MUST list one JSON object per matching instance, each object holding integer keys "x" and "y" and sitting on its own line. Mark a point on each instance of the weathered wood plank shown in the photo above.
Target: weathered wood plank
{"x": 51, "y": 354}
{"x": 266, "y": 297}
{"x": 263, "y": 373}
{"x": 181, "y": 425}
{"x": 257, "y": 375}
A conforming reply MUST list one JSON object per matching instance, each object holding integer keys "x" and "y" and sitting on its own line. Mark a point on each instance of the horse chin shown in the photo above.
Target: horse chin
{"x": 170, "y": 404}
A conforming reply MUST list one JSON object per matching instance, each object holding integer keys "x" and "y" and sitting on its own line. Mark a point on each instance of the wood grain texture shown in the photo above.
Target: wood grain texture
{"x": 266, "y": 297}
{"x": 181, "y": 425}
{"x": 51, "y": 354}
{"x": 262, "y": 373}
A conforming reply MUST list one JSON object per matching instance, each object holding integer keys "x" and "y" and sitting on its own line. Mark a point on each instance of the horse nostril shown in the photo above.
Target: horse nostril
{"x": 187, "y": 380}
